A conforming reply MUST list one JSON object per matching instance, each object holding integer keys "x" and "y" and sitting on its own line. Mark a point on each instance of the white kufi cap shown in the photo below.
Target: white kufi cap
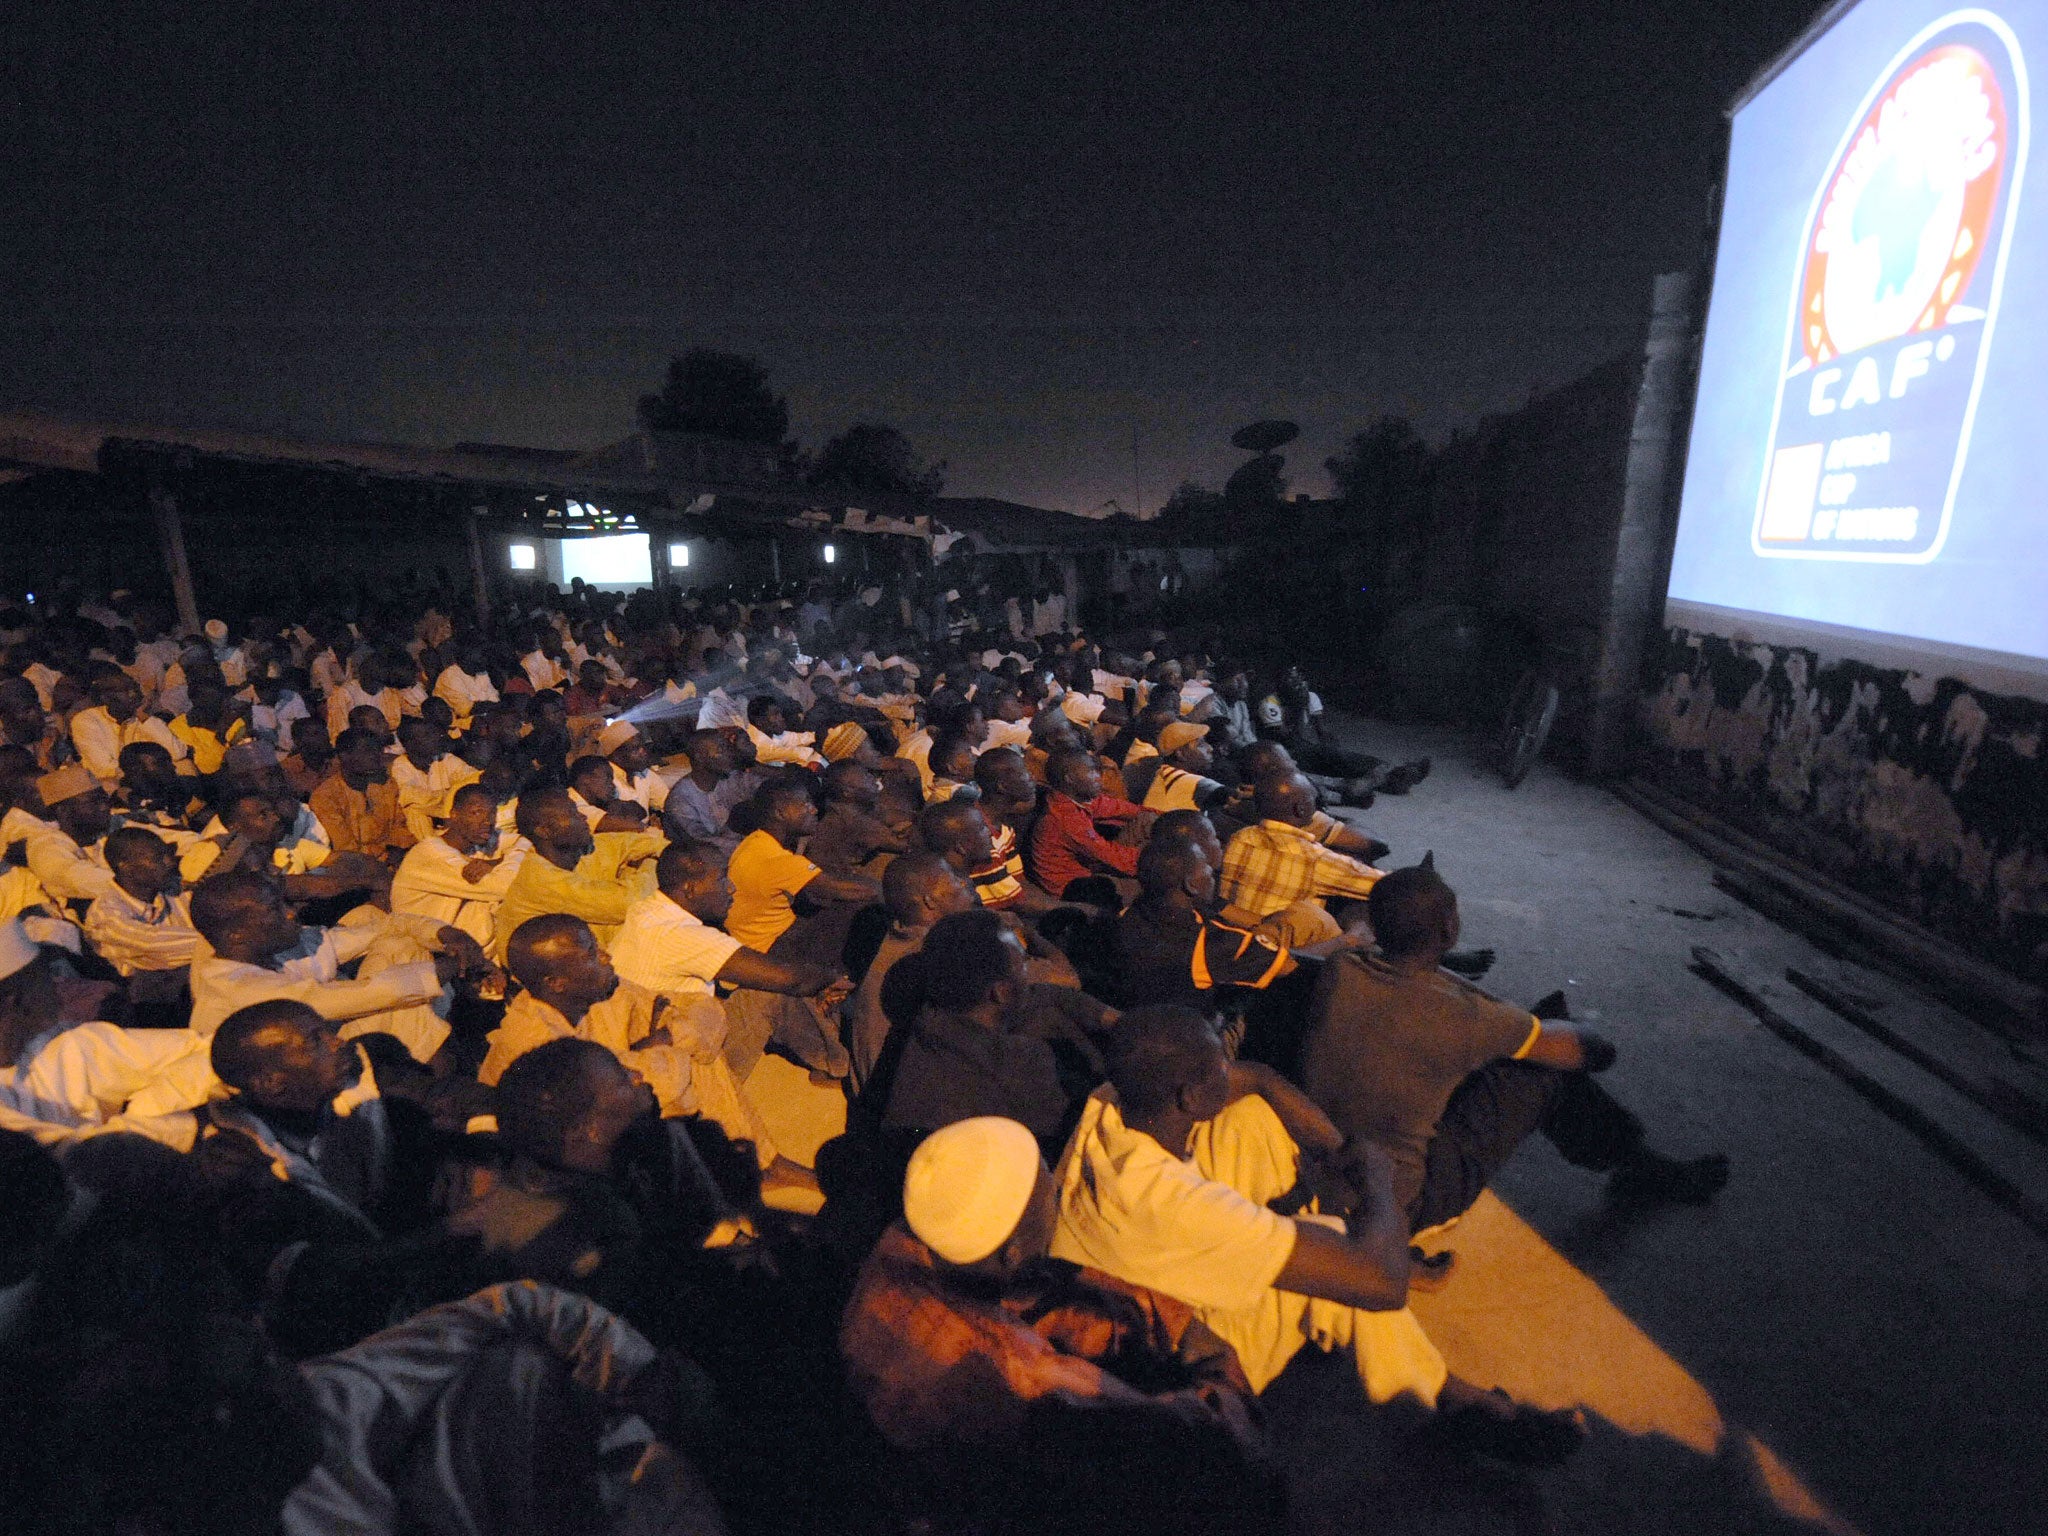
{"x": 968, "y": 1185}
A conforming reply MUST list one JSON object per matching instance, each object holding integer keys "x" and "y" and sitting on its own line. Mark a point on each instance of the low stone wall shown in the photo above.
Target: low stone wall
{"x": 1922, "y": 792}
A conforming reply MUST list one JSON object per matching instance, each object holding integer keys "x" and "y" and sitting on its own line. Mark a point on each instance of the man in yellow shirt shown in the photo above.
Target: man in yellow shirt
{"x": 594, "y": 876}
{"x": 212, "y": 723}
{"x": 771, "y": 881}
{"x": 358, "y": 804}
{"x": 768, "y": 873}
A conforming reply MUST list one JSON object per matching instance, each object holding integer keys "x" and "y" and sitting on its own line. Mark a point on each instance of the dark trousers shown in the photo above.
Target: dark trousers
{"x": 818, "y": 938}
{"x": 1493, "y": 1112}
{"x": 1320, "y": 758}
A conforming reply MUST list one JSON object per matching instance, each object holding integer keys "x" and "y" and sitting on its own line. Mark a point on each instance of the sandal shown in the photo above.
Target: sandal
{"x": 1430, "y": 1271}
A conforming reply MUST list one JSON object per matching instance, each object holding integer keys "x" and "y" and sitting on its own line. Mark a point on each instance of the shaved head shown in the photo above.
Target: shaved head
{"x": 1168, "y": 865}
{"x": 225, "y": 902}
{"x": 916, "y": 886}
{"x": 1285, "y": 797}
{"x": 541, "y": 944}
{"x": 248, "y": 1037}
{"x": 548, "y": 1092}
{"x": 540, "y": 810}
{"x": 1412, "y": 911}
{"x": 280, "y": 1054}
{"x": 1154, "y": 1053}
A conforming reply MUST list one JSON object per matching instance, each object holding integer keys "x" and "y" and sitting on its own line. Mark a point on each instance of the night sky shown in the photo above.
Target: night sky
{"x": 1067, "y": 248}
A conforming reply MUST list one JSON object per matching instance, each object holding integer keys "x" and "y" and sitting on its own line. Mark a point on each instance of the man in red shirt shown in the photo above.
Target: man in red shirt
{"x": 1003, "y": 1372}
{"x": 1068, "y": 843}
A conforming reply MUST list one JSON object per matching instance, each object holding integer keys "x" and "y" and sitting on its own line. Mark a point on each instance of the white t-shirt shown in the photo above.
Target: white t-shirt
{"x": 665, "y": 948}
{"x": 1132, "y": 1209}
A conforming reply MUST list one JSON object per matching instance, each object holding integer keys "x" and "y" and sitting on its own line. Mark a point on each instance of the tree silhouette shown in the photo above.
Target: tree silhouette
{"x": 1191, "y": 500}
{"x": 721, "y": 394}
{"x": 869, "y": 456}
{"x": 1383, "y": 475}
{"x": 1383, "y": 480}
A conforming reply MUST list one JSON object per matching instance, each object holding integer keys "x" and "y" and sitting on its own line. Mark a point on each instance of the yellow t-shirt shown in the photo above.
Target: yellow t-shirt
{"x": 617, "y": 872}
{"x": 209, "y": 749}
{"x": 765, "y": 876}
{"x": 1131, "y": 1209}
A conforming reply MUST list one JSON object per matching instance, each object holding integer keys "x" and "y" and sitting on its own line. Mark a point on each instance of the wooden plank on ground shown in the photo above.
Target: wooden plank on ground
{"x": 1955, "y": 1128}
{"x": 1963, "y": 1064}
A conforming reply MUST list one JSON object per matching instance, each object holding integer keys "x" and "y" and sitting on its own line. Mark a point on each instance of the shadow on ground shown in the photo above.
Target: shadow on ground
{"x": 1517, "y": 1314}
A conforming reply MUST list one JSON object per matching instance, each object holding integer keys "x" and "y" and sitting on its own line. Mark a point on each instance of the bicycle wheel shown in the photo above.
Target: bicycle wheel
{"x": 1531, "y": 713}
{"x": 1523, "y": 699}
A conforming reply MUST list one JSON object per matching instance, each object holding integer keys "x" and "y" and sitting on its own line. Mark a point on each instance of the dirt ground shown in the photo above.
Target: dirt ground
{"x": 1852, "y": 1338}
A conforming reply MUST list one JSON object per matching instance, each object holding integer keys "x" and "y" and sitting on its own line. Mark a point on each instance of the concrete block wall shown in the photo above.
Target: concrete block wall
{"x": 1927, "y": 794}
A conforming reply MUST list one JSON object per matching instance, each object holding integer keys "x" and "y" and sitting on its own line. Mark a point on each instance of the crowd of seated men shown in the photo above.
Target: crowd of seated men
{"x": 383, "y": 1006}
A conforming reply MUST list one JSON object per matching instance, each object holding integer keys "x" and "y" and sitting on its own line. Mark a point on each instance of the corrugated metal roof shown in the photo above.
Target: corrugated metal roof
{"x": 42, "y": 441}
{"x": 52, "y": 442}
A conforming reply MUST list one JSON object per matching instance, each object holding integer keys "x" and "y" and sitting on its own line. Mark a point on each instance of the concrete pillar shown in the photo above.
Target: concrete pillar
{"x": 775, "y": 560}
{"x": 170, "y": 533}
{"x": 479, "y": 574}
{"x": 1634, "y": 599}
{"x": 659, "y": 536}
{"x": 1070, "y": 584}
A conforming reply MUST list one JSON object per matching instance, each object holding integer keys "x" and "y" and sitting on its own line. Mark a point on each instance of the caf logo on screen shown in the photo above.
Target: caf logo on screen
{"x": 1895, "y": 297}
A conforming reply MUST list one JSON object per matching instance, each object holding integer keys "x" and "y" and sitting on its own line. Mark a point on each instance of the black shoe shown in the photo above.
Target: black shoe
{"x": 1526, "y": 1436}
{"x": 1651, "y": 1178}
{"x": 1469, "y": 962}
{"x": 1375, "y": 850}
{"x": 1552, "y": 1005}
{"x": 1405, "y": 777}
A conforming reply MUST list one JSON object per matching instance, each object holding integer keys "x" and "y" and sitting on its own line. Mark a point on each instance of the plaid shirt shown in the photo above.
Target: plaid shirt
{"x": 1275, "y": 864}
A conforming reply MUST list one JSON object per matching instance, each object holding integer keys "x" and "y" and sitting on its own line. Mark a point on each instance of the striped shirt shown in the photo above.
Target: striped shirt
{"x": 1177, "y": 955}
{"x": 1001, "y": 882}
{"x": 1175, "y": 789}
{"x": 133, "y": 935}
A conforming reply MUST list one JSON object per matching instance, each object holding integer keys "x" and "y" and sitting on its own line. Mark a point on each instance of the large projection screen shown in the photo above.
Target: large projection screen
{"x": 1864, "y": 472}
{"x": 615, "y": 560}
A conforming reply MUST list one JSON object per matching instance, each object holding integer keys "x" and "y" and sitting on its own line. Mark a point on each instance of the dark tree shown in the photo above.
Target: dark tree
{"x": 871, "y": 457}
{"x": 720, "y": 394}
{"x": 1383, "y": 480}
{"x": 1192, "y": 502}
{"x": 1382, "y": 476}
